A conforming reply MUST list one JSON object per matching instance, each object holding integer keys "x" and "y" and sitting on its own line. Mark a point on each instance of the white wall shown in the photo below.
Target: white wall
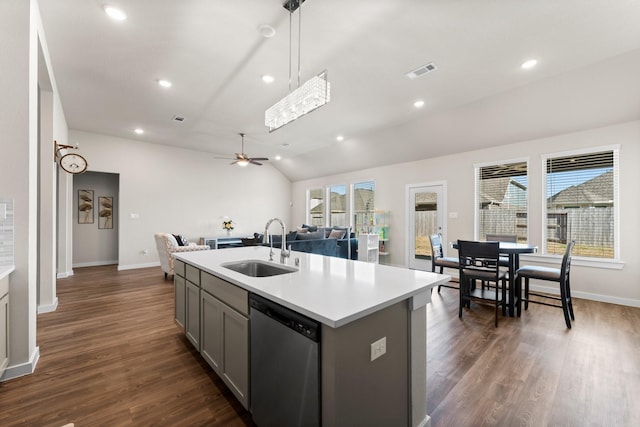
{"x": 26, "y": 68}
{"x": 181, "y": 191}
{"x": 614, "y": 285}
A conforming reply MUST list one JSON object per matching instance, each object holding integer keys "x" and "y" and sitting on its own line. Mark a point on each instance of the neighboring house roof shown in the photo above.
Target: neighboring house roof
{"x": 492, "y": 191}
{"x": 596, "y": 191}
{"x": 363, "y": 200}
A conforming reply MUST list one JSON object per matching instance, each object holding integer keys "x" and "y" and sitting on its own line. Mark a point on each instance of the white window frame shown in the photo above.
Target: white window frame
{"x": 476, "y": 199}
{"x": 613, "y": 263}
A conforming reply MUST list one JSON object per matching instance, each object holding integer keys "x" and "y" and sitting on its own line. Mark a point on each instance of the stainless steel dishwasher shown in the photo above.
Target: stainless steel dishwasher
{"x": 285, "y": 369}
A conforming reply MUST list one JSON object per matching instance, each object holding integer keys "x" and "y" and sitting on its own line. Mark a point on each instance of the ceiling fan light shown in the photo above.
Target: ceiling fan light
{"x": 243, "y": 162}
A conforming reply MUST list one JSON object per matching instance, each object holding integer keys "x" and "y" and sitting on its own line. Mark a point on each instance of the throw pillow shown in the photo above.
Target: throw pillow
{"x": 337, "y": 234}
{"x": 178, "y": 239}
{"x": 310, "y": 228}
{"x": 311, "y": 236}
{"x": 302, "y": 230}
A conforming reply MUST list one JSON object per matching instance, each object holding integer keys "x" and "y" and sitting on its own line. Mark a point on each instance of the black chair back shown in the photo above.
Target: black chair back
{"x": 479, "y": 258}
{"x": 566, "y": 262}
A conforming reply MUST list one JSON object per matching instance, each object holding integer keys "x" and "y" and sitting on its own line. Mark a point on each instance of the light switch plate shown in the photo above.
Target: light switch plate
{"x": 378, "y": 348}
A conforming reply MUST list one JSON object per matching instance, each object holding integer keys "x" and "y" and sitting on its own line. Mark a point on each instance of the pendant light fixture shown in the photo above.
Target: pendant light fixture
{"x": 307, "y": 97}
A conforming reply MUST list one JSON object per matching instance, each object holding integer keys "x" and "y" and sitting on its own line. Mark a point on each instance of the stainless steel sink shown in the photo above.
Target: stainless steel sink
{"x": 256, "y": 268}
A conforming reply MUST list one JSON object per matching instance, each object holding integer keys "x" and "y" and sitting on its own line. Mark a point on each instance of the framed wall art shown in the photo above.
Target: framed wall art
{"x": 105, "y": 212}
{"x": 85, "y": 206}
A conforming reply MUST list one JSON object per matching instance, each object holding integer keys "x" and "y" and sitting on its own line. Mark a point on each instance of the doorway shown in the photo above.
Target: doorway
{"x": 425, "y": 206}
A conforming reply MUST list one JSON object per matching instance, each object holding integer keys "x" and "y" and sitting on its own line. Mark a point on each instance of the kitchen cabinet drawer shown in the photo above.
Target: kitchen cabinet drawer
{"x": 178, "y": 268}
{"x": 232, "y": 295}
{"x": 193, "y": 274}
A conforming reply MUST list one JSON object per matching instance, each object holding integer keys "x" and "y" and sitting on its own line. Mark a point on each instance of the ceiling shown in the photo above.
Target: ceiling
{"x": 588, "y": 54}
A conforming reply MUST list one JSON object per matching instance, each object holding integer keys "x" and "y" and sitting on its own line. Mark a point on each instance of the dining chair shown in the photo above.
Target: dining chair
{"x": 511, "y": 238}
{"x": 480, "y": 261}
{"x": 438, "y": 260}
{"x": 560, "y": 275}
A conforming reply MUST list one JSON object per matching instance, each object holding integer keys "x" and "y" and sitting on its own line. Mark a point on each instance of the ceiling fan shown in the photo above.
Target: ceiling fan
{"x": 243, "y": 160}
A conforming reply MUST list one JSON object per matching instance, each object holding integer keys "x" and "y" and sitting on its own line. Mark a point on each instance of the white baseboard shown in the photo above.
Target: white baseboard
{"x": 134, "y": 266}
{"x": 49, "y": 307}
{"x": 22, "y": 369}
{"x": 64, "y": 275}
{"x": 95, "y": 263}
{"x": 589, "y": 296}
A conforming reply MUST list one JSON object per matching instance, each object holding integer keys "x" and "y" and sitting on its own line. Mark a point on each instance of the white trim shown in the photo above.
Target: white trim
{"x": 22, "y": 369}
{"x": 476, "y": 187}
{"x": 49, "y": 307}
{"x": 616, "y": 195}
{"x": 64, "y": 275}
{"x": 135, "y": 266}
{"x": 94, "y": 263}
{"x": 606, "y": 263}
{"x": 588, "y": 295}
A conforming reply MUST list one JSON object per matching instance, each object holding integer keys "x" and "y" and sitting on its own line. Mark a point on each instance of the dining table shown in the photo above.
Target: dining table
{"x": 512, "y": 251}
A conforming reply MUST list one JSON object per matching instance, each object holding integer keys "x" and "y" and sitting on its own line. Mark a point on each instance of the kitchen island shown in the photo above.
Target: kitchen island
{"x": 358, "y": 304}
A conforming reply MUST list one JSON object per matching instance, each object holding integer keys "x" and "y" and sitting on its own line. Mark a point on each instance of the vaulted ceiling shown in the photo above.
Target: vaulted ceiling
{"x": 214, "y": 54}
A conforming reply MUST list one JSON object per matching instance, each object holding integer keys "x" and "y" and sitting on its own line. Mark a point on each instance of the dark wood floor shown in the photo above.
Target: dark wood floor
{"x": 111, "y": 355}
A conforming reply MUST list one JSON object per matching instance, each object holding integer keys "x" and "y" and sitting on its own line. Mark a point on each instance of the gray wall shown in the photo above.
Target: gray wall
{"x": 93, "y": 245}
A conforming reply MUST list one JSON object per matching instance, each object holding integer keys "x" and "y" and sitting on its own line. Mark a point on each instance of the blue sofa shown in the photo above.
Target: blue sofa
{"x": 317, "y": 242}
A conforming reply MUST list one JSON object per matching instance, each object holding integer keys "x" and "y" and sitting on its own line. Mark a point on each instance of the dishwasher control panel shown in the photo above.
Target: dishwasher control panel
{"x": 291, "y": 319}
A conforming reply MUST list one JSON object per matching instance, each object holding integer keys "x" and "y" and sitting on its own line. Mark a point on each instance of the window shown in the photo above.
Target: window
{"x": 363, "y": 204}
{"x": 580, "y": 202}
{"x": 501, "y": 197}
{"x": 315, "y": 206}
{"x": 338, "y": 205}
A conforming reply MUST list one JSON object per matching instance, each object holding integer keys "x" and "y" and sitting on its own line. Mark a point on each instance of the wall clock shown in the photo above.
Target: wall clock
{"x": 71, "y": 162}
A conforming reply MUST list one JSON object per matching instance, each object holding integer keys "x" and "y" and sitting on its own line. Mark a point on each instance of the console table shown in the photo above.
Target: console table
{"x": 221, "y": 242}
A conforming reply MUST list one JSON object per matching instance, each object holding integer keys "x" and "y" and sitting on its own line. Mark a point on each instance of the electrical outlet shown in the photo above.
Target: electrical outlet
{"x": 378, "y": 348}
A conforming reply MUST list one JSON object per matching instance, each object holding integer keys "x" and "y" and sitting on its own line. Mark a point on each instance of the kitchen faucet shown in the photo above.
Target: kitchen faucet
{"x": 284, "y": 253}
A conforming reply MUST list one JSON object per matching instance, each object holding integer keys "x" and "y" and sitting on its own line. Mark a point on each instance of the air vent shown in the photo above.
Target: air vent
{"x": 177, "y": 118}
{"x": 421, "y": 71}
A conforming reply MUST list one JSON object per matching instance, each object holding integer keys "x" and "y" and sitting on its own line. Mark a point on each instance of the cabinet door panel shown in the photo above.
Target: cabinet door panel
{"x": 211, "y": 332}
{"x": 192, "y": 323}
{"x": 4, "y": 333}
{"x": 179, "y": 289}
{"x": 235, "y": 336}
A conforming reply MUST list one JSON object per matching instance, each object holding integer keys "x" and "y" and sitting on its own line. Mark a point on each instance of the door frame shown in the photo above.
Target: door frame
{"x": 409, "y": 212}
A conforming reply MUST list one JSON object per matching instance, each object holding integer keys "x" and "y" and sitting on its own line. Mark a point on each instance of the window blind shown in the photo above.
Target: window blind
{"x": 580, "y": 203}
{"x": 501, "y": 194}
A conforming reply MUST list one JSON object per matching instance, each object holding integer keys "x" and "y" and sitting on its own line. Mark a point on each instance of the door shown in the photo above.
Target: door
{"x": 426, "y": 207}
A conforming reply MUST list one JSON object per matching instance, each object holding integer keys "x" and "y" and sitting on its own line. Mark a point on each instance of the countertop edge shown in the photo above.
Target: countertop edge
{"x": 5, "y": 270}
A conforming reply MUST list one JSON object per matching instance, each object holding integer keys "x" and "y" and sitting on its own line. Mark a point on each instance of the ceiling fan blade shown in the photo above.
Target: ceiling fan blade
{"x": 253, "y": 162}
{"x": 259, "y": 158}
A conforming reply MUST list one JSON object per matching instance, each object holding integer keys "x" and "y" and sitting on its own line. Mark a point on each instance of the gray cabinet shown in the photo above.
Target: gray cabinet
{"x": 192, "y": 313}
{"x": 225, "y": 333}
{"x": 4, "y": 324}
{"x": 179, "y": 289}
{"x": 211, "y": 345}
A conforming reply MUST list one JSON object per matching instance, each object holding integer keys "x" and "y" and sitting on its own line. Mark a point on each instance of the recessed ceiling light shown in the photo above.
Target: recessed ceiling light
{"x": 339, "y": 138}
{"x": 529, "y": 64}
{"x": 278, "y": 157}
{"x": 164, "y": 83}
{"x": 285, "y": 145}
{"x": 419, "y": 103}
{"x": 267, "y": 78}
{"x": 266, "y": 31}
{"x": 139, "y": 131}
{"x": 115, "y": 13}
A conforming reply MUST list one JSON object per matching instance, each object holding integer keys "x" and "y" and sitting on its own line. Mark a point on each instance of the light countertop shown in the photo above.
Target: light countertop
{"x": 333, "y": 291}
{"x": 5, "y": 270}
